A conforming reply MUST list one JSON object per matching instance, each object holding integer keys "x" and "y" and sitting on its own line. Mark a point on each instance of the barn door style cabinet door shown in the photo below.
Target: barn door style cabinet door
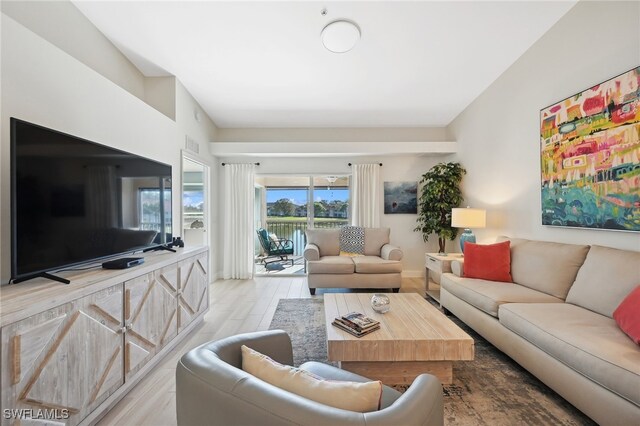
{"x": 65, "y": 360}
{"x": 68, "y": 364}
{"x": 193, "y": 297}
{"x": 150, "y": 310}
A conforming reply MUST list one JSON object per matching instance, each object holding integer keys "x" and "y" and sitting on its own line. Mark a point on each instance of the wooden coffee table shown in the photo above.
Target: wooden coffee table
{"x": 414, "y": 338}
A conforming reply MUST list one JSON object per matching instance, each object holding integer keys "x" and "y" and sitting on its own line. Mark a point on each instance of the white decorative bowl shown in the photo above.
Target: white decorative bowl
{"x": 380, "y": 303}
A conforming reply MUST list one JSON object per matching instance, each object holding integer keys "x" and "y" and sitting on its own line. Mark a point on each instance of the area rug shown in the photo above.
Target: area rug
{"x": 491, "y": 390}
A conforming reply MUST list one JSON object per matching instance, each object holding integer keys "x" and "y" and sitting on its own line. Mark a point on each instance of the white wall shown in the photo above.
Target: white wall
{"x": 201, "y": 132}
{"x": 66, "y": 27}
{"x": 160, "y": 93}
{"x": 498, "y": 134}
{"x": 45, "y": 85}
{"x": 394, "y": 169}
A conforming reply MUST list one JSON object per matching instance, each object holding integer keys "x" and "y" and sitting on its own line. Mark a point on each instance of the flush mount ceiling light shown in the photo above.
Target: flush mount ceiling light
{"x": 340, "y": 36}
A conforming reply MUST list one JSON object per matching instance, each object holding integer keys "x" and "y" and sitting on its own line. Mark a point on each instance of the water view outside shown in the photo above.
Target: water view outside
{"x": 287, "y": 212}
{"x": 150, "y": 213}
{"x": 193, "y": 208}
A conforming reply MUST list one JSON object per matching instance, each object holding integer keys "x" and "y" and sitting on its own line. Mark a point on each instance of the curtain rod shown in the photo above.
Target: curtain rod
{"x": 380, "y": 164}
{"x": 255, "y": 164}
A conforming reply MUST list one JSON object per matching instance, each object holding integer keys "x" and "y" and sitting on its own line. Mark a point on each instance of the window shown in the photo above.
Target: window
{"x": 193, "y": 205}
{"x": 150, "y": 211}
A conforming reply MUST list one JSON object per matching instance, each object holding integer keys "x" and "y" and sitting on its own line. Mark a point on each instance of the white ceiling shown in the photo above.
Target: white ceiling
{"x": 262, "y": 64}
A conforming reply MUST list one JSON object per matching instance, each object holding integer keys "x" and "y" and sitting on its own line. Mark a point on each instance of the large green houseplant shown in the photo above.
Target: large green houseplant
{"x": 440, "y": 193}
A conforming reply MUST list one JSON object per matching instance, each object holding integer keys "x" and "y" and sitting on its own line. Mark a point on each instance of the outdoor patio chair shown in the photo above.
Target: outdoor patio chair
{"x": 276, "y": 250}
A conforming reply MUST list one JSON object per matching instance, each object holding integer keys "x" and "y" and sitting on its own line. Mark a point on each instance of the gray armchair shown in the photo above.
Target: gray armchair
{"x": 212, "y": 389}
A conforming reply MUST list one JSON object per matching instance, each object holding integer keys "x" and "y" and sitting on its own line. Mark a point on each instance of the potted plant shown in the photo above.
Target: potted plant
{"x": 440, "y": 193}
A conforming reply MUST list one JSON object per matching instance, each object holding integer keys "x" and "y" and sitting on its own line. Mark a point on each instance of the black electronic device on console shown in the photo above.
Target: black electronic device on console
{"x": 123, "y": 263}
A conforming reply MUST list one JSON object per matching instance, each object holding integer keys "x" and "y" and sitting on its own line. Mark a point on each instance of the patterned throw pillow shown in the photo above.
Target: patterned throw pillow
{"x": 352, "y": 396}
{"x": 352, "y": 241}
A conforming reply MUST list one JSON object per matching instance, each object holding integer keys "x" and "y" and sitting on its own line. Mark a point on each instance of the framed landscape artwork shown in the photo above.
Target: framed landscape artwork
{"x": 400, "y": 197}
{"x": 589, "y": 157}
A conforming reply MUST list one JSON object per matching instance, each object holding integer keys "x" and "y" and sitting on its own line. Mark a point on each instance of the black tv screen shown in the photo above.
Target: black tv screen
{"x": 74, "y": 201}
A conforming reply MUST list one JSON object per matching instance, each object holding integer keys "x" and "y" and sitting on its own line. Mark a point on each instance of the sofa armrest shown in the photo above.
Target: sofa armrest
{"x": 457, "y": 267}
{"x": 421, "y": 404}
{"x": 389, "y": 252}
{"x": 311, "y": 252}
{"x": 276, "y": 344}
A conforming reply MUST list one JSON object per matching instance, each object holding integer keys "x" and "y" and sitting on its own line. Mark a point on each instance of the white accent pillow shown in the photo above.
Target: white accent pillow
{"x": 352, "y": 396}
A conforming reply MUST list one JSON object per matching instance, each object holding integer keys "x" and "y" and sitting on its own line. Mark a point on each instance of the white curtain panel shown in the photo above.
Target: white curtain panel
{"x": 366, "y": 195}
{"x": 238, "y": 226}
{"x": 263, "y": 207}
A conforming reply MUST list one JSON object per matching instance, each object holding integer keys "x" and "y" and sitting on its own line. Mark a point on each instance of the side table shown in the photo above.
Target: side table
{"x": 435, "y": 265}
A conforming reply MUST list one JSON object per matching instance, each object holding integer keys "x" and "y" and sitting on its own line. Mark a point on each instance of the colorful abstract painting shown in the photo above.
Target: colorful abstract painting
{"x": 400, "y": 197}
{"x": 590, "y": 149}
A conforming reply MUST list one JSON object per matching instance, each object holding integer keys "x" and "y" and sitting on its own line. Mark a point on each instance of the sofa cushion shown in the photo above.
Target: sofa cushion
{"x": 362, "y": 397}
{"x": 605, "y": 279}
{"x": 545, "y": 266}
{"x": 627, "y": 315}
{"x": 327, "y": 240}
{"x": 488, "y": 262}
{"x": 329, "y": 372}
{"x": 489, "y": 295}
{"x": 589, "y": 343}
{"x": 331, "y": 265}
{"x": 376, "y": 265}
{"x": 374, "y": 239}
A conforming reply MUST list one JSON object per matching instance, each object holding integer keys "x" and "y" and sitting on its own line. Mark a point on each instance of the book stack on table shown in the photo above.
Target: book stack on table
{"x": 356, "y": 323}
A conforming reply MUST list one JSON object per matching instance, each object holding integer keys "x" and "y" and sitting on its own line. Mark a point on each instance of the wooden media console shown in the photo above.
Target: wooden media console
{"x": 71, "y": 352}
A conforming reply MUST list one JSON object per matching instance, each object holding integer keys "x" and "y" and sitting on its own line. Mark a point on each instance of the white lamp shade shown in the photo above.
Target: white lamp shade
{"x": 468, "y": 218}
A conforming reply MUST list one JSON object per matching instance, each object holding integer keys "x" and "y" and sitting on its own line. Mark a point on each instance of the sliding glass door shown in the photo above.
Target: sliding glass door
{"x": 286, "y": 201}
{"x": 330, "y": 201}
{"x": 287, "y": 206}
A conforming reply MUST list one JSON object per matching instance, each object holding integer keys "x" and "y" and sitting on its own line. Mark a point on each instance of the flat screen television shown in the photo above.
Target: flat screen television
{"x": 74, "y": 201}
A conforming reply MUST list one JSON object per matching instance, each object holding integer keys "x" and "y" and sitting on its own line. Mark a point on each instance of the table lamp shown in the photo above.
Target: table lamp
{"x": 468, "y": 218}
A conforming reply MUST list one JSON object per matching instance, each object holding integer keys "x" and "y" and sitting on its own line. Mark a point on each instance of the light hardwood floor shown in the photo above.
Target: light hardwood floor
{"x": 237, "y": 306}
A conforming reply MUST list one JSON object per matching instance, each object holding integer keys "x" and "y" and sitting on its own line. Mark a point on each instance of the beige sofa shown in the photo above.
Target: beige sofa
{"x": 380, "y": 267}
{"x": 556, "y": 321}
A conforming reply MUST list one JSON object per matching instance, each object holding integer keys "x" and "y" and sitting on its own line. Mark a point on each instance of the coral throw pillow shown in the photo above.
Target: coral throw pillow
{"x": 352, "y": 396}
{"x": 488, "y": 262}
{"x": 627, "y": 315}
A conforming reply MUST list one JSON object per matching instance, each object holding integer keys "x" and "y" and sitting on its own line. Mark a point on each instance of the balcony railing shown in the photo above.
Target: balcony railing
{"x": 295, "y": 230}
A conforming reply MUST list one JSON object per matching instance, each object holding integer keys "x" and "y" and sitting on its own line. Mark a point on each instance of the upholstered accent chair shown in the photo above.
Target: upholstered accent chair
{"x": 212, "y": 389}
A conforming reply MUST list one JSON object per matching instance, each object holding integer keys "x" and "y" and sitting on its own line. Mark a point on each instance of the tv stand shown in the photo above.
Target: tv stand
{"x": 160, "y": 247}
{"x": 82, "y": 347}
{"x": 43, "y": 275}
